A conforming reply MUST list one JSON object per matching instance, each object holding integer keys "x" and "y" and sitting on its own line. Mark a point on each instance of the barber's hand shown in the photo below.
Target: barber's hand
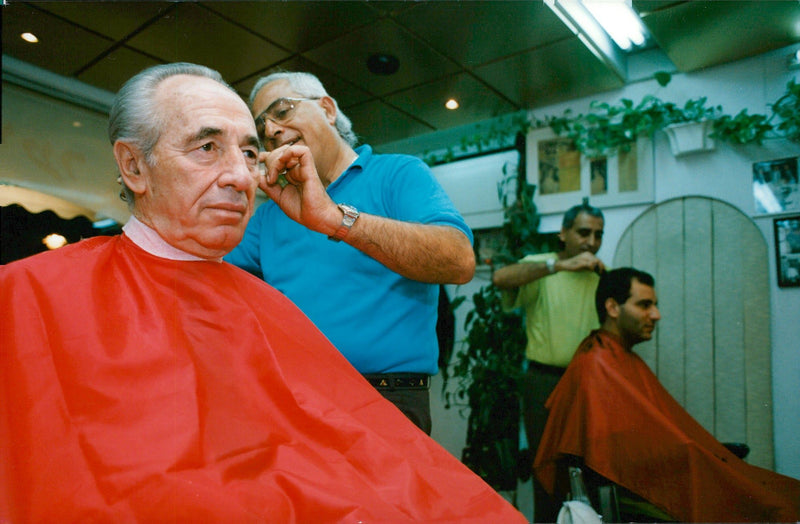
{"x": 291, "y": 180}
{"x": 584, "y": 261}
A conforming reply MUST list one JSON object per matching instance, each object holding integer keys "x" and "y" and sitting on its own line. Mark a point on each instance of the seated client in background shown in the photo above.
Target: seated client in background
{"x": 610, "y": 410}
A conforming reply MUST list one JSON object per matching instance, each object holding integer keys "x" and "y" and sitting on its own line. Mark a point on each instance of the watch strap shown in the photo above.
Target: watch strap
{"x": 349, "y": 218}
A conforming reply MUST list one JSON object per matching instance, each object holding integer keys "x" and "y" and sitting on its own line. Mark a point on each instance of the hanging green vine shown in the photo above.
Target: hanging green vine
{"x": 608, "y": 128}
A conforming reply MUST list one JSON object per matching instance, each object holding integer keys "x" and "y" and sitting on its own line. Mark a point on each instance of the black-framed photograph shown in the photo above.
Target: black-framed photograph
{"x": 775, "y": 186}
{"x": 787, "y": 250}
{"x": 488, "y": 242}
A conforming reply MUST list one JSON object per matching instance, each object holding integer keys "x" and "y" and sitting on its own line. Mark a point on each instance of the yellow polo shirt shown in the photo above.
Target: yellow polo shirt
{"x": 559, "y": 312}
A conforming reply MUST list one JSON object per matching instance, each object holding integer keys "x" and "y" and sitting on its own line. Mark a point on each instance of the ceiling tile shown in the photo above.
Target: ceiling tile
{"x": 476, "y": 101}
{"x": 345, "y": 93}
{"x": 63, "y": 48}
{"x": 297, "y": 25}
{"x": 193, "y": 34}
{"x": 377, "y": 123}
{"x": 115, "y": 20}
{"x": 558, "y": 72}
{"x": 419, "y": 63}
{"x": 113, "y": 70}
{"x": 487, "y": 30}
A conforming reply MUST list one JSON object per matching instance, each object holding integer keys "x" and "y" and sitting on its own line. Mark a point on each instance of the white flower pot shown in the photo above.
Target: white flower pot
{"x": 690, "y": 137}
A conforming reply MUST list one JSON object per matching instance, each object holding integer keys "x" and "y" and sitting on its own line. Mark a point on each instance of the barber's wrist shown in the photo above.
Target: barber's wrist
{"x": 550, "y": 264}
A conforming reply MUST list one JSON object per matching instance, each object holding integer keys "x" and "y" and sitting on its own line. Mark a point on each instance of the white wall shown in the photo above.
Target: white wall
{"x": 724, "y": 174}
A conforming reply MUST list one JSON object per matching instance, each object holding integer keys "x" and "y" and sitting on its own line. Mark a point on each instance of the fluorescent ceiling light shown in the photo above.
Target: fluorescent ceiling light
{"x": 580, "y": 21}
{"x": 620, "y": 21}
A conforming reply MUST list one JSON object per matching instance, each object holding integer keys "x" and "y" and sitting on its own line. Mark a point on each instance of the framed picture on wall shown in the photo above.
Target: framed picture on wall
{"x": 787, "y": 250}
{"x": 563, "y": 176}
{"x": 775, "y": 186}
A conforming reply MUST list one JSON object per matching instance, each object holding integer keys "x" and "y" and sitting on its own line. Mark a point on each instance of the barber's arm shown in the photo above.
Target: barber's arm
{"x": 521, "y": 273}
{"x": 427, "y": 253}
{"x": 422, "y": 252}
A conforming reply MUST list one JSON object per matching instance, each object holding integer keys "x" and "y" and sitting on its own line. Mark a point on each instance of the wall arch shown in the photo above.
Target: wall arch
{"x": 712, "y": 349}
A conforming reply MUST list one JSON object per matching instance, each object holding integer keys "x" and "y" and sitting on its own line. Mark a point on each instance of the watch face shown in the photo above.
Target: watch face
{"x": 349, "y": 211}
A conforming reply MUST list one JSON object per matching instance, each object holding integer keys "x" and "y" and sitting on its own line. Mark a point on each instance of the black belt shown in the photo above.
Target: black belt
{"x": 546, "y": 368}
{"x": 392, "y": 381}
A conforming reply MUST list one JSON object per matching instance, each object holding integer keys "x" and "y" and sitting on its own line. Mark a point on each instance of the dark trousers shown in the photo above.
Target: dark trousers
{"x": 414, "y": 403}
{"x": 539, "y": 382}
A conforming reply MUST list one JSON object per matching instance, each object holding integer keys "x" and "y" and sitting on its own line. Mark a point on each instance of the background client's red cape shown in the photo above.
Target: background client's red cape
{"x": 610, "y": 409}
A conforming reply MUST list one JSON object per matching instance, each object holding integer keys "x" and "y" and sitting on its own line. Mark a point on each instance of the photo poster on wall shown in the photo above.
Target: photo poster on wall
{"x": 564, "y": 177}
{"x": 472, "y": 184}
{"x": 787, "y": 250}
{"x": 775, "y": 186}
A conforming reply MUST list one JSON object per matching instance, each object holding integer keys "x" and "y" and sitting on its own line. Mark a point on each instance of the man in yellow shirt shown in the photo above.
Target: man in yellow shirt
{"x": 556, "y": 292}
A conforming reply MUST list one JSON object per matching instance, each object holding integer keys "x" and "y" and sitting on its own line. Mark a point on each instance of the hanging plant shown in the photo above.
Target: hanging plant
{"x": 610, "y": 128}
{"x": 787, "y": 111}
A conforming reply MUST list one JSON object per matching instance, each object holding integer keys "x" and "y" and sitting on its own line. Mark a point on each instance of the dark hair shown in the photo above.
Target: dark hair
{"x": 616, "y": 284}
{"x": 573, "y": 212}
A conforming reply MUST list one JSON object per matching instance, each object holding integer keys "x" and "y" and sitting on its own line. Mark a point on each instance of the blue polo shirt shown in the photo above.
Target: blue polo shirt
{"x": 380, "y": 321}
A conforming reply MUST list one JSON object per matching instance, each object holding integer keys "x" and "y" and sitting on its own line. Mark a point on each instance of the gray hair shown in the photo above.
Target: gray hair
{"x": 309, "y": 86}
{"x": 134, "y": 116}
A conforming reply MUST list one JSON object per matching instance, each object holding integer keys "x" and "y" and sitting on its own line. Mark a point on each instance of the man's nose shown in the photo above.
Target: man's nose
{"x": 271, "y": 129}
{"x": 238, "y": 172}
{"x": 655, "y": 314}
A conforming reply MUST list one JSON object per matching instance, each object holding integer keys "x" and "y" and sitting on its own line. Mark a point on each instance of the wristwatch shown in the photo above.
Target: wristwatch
{"x": 350, "y": 216}
{"x": 551, "y": 265}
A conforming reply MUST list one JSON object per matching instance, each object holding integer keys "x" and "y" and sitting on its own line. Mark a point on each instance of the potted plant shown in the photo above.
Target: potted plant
{"x": 689, "y": 127}
{"x": 609, "y": 128}
{"x": 488, "y": 366}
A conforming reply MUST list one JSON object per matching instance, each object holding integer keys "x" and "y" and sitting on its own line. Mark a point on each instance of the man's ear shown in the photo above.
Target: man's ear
{"x": 129, "y": 159}
{"x": 612, "y": 308}
{"x": 561, "y": 234}
{"x": 329, "y": 106}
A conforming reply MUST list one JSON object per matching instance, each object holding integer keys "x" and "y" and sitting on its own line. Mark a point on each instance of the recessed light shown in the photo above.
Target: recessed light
{"x": 451, "y": 104}
{"x": 383, "y": 64}
{"x": 29, "y": 37}
{"x": 77, "y": 123}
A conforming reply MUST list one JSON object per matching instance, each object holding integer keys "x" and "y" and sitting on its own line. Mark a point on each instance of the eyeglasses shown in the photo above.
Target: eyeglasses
{"x": 280, "y": 111}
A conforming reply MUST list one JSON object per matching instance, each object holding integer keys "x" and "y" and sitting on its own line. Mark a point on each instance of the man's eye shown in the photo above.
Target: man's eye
{"x": 207, "y": 147}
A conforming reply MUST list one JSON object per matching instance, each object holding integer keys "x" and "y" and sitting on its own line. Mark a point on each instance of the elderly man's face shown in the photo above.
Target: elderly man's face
{"x": 200, "y": 186}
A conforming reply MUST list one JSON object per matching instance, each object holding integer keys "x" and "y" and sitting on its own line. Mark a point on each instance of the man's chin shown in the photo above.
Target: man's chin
{"x": 220, "y": 240}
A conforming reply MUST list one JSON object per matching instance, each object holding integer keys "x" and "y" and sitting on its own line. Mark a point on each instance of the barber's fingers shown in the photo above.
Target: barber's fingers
{"x": 283, "y": 161}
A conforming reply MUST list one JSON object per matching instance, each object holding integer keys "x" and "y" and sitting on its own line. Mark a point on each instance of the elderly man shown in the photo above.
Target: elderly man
{"x": 610, "y": 410}
{"x": 556, "y": 292}
{"x": 358, "y": 241}
{"x": 145, "y": 380}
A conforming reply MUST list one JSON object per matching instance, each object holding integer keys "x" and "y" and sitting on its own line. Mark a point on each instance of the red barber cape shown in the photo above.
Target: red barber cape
{"x": 610, "y": 409}
{"x": 139, "y": 389}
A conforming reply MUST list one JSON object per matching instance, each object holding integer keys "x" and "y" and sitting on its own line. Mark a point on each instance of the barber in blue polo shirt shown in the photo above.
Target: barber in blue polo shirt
{"x": 359, "y": 241}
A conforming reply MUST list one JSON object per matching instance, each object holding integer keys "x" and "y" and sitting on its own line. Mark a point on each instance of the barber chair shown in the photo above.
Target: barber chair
{"x": 617, "y": 504}
{"x": 611, "y": 501}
